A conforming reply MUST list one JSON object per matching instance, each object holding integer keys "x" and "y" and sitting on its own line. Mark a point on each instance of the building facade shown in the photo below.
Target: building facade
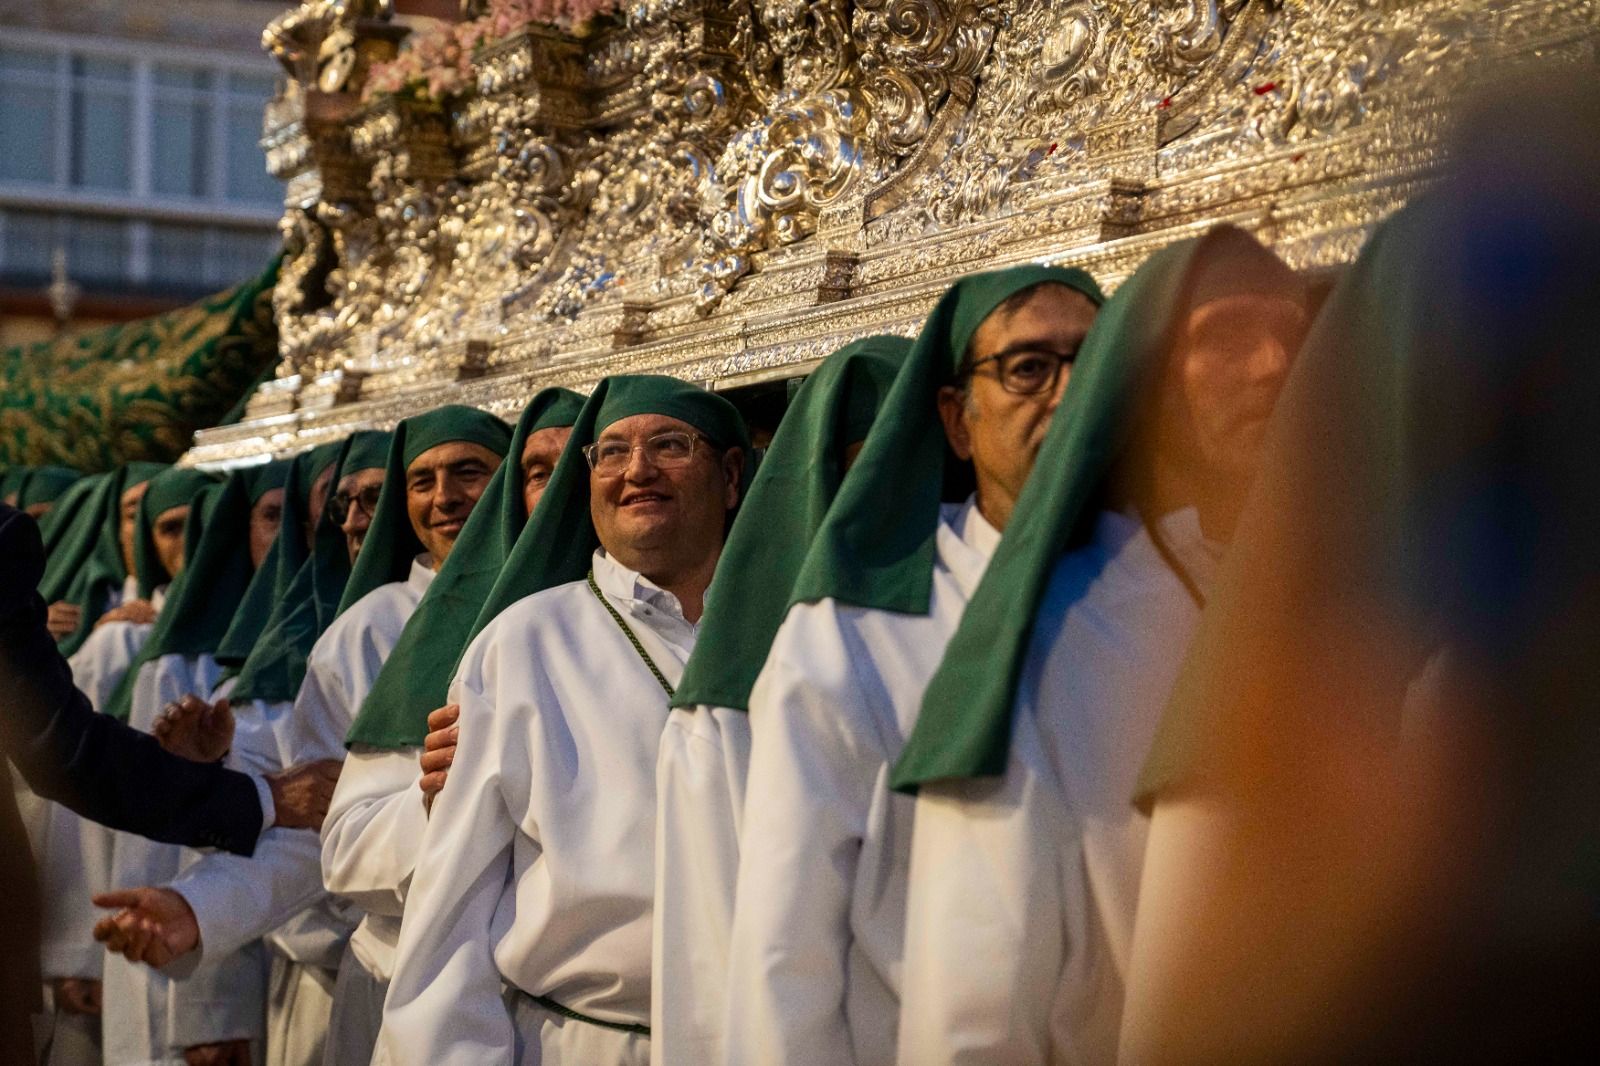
{"x": 131, "y": 172}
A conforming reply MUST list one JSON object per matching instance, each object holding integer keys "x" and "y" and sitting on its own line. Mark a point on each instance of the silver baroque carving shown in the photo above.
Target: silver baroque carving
{"x": 727, "y": 188}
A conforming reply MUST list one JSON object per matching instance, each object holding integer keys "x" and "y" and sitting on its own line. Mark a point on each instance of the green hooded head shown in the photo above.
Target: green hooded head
{"x": 391, "y": 542}
{"x": 86, "y": 565}
{"x": 289, "y": 551}
{"x": 45, "y": 484}
{"x": 276, "y": 664}
{"x": 55, "y": 527}
{"x": 415, "y": 679}
{"x": 172, "y": 488}
{"x": 787, "y": 501}
{"x": 557, "y": 544}
{"x": 964, "y": 728}
{"x": 875, "y": 547}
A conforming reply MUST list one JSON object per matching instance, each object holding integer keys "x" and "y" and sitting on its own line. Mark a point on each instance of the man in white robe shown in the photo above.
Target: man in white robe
{"x": 219, "y": 1015}
{"x": 380, "y": 812}
{"x": 74, "y": 855}
{"x": 436, "y": 468}
{"x": 1024, "y": 883}
{"x": 563, "y": 694}
{"x": 815, "y": 957}
{"x": 705, "y": 747}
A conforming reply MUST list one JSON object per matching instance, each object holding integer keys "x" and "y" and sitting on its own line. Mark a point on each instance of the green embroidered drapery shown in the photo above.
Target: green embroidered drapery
{"x": 137, "y": 390}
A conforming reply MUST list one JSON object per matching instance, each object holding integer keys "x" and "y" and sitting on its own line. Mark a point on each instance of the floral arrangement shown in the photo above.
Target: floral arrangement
{"x": 436, "y": 62}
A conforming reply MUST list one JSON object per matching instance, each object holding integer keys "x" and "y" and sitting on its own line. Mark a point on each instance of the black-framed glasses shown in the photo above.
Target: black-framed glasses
{"x": 367, "y": 499}
{"x": 609, "y": 458}
{"x": 1026, "y": 371}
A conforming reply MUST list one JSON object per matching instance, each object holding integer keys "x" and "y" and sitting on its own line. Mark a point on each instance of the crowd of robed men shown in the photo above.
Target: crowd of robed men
{"x": 654, "y": 754}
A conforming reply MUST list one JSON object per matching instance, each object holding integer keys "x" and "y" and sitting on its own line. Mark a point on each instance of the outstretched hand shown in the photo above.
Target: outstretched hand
{"x": 152, "y": 926}
{"x": 301, "y": 794}
{"x": 195, "y": 729}
{"x": 438, "y": 751}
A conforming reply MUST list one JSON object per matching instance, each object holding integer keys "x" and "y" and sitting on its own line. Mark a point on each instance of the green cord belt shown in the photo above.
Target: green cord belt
{"x": 567, "y": 1012}
{"x": 655, "y": 671}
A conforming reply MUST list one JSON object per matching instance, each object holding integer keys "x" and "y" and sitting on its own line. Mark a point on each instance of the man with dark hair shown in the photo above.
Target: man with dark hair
{"x": 1026, "y": 852}
{"x": 814, "y": 973}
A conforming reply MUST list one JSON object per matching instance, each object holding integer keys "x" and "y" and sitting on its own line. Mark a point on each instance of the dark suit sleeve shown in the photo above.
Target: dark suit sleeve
{"x": 95, "y": 765}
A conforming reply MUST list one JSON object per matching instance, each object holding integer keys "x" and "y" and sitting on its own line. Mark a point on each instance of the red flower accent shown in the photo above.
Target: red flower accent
{"x": 1163, "y": 105}
{"x": 1262, "y": 90}
{"x": 1052, "y": 150}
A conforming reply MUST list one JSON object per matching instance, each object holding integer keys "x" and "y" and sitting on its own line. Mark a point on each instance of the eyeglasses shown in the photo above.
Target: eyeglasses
{"x": 1027, "y": 371}
{"x": 341, "y": 503}
{"x": 609, "y": 458}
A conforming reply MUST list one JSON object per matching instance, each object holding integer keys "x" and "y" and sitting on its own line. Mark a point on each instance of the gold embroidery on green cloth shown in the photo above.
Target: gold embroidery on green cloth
{"x": 137, "y": 390}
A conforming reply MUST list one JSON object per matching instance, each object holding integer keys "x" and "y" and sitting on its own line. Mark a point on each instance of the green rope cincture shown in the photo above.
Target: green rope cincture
{"x": 633, "y": 639}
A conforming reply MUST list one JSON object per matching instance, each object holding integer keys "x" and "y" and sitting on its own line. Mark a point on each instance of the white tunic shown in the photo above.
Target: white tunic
{"x": 1023, "y": 888}
{"x": 814, "y": 963}
{"x": 74, "y": 853}
{"x": 236, "y": 899}
{"x": 148, "y": 1016}
{"x": 537, "y": 866}
{"x": 370, "y": 836}
{"x": 369, "y": 846}
{"x": 700, "y": 782}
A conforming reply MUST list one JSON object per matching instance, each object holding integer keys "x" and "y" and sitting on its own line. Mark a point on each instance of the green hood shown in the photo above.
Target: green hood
{"x": 557, "y": 544}
{"x": 270, "y": 583}
{"x": 11, "y": 482}
{"x": 46, "y": 484}
{"x": 787, "y": 502}
{"x": 964, "y": 727}
{"x": 1427, "y": 485}
{"x": 277, "y": 662}
{"x": 875, "y": 547}
{"x": 202, "y": 509}
{"x": 391, "y": 544}
{"x": 86, "y": 565}
{"x": 56, "y": 526}
{"x": 174, "y": 487}
{"x": 204, "y": 598}
{"x": 415, "y": 679}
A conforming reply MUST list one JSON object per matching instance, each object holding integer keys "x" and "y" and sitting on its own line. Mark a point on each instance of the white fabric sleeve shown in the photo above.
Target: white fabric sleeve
{"x": 374, "y": 824}
{"x": 237, "y": 898}
{"x": 446, "y": 967}
{"x": 75, "y": 866}
{"x": 223, "y": 1000}
{"x": 979, "y": 977}
{"x": 1007, "y": 957}
{"x": 699, "y": 793}
{"x": 809, "y": 795}
{"x": 269, "y": 810}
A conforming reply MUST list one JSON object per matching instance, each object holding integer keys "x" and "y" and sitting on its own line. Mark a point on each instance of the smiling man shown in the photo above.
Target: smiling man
{"x": 550, "y": 808}
{"x": 815, "y": 951}
{"x": 219, "y": 904}
{"x": 405, "y": 519}
{"x": 371, "y": 839}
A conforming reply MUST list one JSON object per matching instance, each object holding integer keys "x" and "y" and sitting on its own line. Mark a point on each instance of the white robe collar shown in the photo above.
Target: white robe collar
{"x": 965, "y": 542}
{"x": 422, "y": 573}
{"x": 1181, "y": 532}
